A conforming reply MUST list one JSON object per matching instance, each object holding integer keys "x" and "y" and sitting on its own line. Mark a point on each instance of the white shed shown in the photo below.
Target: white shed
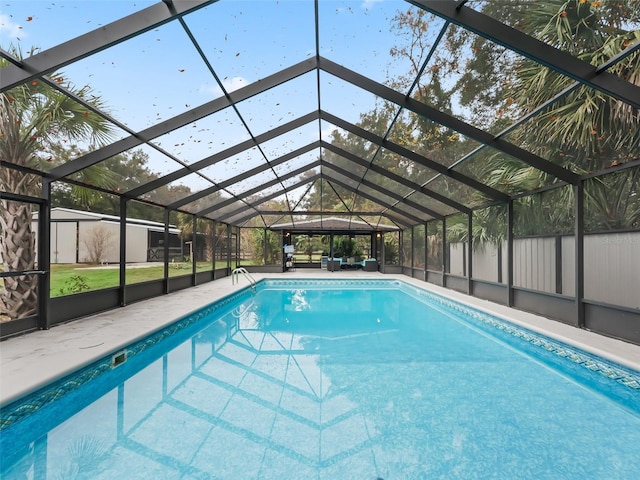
{"x": 75, "y": 234}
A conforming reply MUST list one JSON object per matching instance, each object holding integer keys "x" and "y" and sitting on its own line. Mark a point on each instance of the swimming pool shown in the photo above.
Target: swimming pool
{"x": 346, "y": 379}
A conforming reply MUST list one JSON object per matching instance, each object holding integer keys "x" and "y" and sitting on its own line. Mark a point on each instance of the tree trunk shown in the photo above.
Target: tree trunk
{"x": 17, "y": 247}
{"x": 208, "y": 242}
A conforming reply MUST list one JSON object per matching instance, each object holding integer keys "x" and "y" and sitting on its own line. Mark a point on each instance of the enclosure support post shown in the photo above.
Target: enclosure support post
{"x": 264, "y": 246}
{"x": 228, "y": 249}
{"x": 44, "y": 258}
{"x": 558, "y": 270}
{"x": 413, "y": 251}
{"x": 123, "y": 251}
{"x": 166, "y": 251}
{"x": 425, "y": 253}
{"x": 383, "y": 254}
{"x": 445, "y": 257}
{"x": 579, "y": 260}
{"x": 331, "y": 245}
{"x": 470, "y": 253}
{"x": 510, "y": 253}
{"x": 283, "y": 242}
{"x": 428, "y": 247}
{"x": 499, "y": 255}
{"x": 193, "y": 251}
{"x": 213, "y": 249}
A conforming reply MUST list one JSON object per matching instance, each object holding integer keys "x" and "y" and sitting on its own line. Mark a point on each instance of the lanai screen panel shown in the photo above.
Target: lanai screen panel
{"x": 206, "y": 108}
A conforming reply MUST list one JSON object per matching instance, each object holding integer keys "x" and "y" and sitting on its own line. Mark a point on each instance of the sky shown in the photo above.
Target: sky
{"x": 159, "y": 74}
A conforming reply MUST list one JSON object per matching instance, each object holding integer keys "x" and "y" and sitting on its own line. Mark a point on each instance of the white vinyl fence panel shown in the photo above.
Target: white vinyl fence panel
{"x": 534, "y": 263}
{"x": 611, "y": 266}
{"x": 485, "y": 263}
{"x": 457, "y": 258}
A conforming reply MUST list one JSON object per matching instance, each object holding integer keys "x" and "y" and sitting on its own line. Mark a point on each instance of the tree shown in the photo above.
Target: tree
{"x": 119, "y": 173}
{"x": 586, "y": 130}
{"x": 98, "y": 242}
{"x": 204, "y": 228}
{"x": 258, "y": 243}
{"x": 583, "y": 131}
{"x": 391, "y": 249}
{"x": 306, "y": 244}
{"x": 344, "y": 246}
{"x": 34, "y": 117}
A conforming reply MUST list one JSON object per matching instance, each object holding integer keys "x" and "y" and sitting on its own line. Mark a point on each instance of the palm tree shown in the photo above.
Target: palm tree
{"x": 584, "y": 131}
{"x": 33, "y": 118}
{"x": 306, "y": 244}
{"x": 585, "y": 127}
{"x": 204, "y": 228}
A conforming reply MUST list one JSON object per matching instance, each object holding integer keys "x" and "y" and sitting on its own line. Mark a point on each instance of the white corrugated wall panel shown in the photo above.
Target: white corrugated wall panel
{"x": 612, "y": 268}
{"x": 534, "y": 263}
{"x": 456, "y": 258}
{"x": 63, "y": 242}
{"x": 485, "y": 263}
{"x": 137, "y": 244}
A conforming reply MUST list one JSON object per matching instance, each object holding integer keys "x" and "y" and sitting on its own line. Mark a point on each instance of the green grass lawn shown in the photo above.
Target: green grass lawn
{"x": 73, "y": 278}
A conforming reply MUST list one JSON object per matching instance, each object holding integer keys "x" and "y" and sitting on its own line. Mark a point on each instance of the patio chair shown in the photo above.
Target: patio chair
{"x": 370, "y": 265}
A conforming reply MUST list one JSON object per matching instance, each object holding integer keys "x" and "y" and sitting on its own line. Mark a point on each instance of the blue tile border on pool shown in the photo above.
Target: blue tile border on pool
{"x": 356, "y": 283}
{"x": 28, "y": 405}
{"x": 15, "y": 411}
{"x": 608, "y": 369}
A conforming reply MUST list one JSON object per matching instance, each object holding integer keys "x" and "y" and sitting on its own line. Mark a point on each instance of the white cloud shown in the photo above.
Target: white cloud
{"x": 10, "y": 29}
{"x": 368, "y": 4}
{"x": 327, "y": 133}
{"x": 234, "y": 83}
{"x": 212, "y": 90}
{"x": 230, "y": 84}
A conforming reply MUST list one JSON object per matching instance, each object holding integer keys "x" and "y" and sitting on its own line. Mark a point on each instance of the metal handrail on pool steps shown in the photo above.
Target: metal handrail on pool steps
{"x": 241, "y": 270}
{"x": 240, "y": 311}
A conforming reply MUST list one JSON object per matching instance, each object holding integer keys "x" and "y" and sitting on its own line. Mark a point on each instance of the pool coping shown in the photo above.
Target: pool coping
{"x": 70, "y": 347}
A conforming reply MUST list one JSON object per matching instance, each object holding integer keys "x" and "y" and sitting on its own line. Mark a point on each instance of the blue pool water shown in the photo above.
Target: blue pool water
{"x": 342, "y": 380}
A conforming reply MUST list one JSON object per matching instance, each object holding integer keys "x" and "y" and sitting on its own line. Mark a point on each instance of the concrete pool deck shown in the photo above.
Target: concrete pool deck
{"x": 32, "y": 360}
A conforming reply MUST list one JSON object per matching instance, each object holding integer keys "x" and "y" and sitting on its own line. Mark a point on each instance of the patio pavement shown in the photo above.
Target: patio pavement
{"x": 32, "y": 360}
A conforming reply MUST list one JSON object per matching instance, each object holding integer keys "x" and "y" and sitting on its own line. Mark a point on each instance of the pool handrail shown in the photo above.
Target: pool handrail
{"x": 240, "y": 310}
{"x": 241, "y": 270}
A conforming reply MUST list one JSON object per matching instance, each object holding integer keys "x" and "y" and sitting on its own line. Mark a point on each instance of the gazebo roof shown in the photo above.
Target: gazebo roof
{"x": 332, "y": 224}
